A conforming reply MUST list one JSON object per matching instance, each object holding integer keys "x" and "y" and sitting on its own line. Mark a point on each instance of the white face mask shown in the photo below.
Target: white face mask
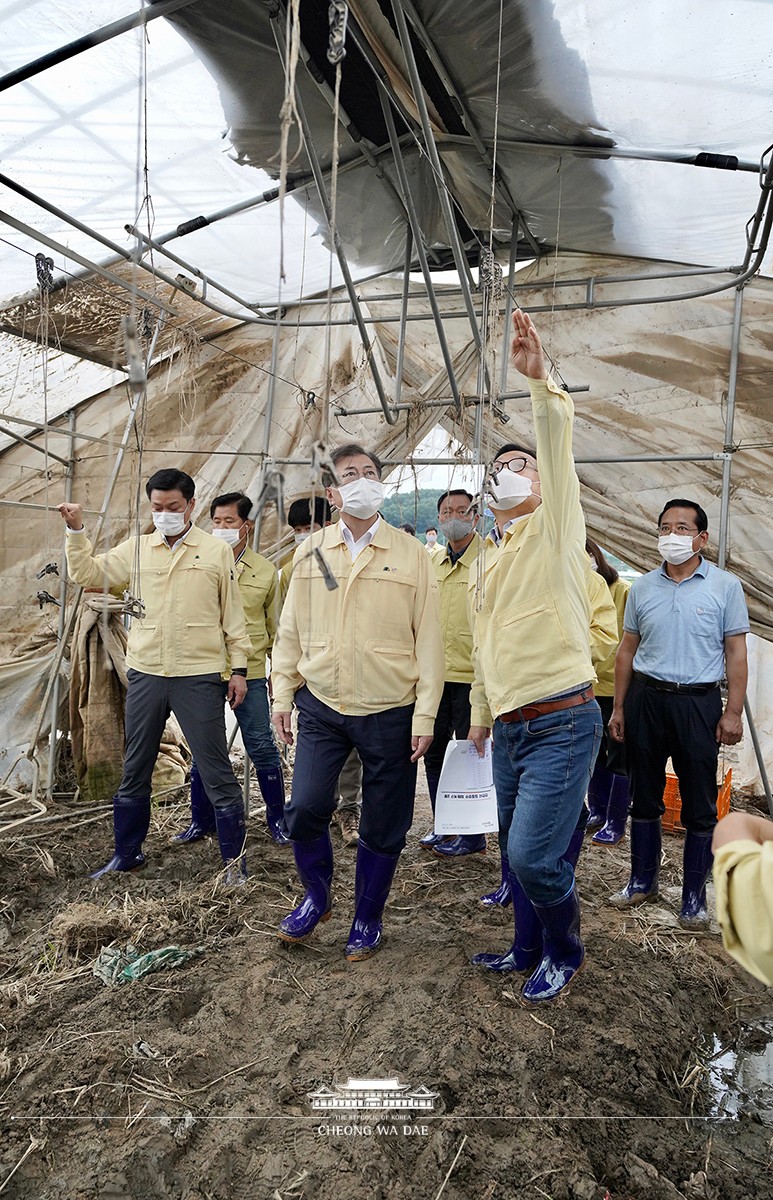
{"x": 594, "y": 566}
{"x": 676, "y": 548}
{"x": 300, "y": 538}
{"x": 231, "y": 536}
{"x": 431, "y": 539}
{"x": 169, "y": 523}
{"x": 512, "y": 490}
{"x": 362, "y": 498}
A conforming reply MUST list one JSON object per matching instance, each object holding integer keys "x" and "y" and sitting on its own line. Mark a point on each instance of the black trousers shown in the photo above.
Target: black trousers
{"x": 197, "y": 702}
{"x": 452, "y": 721}
{"x": 659, "y": 725}
{"x": 325, "y": 741}
{"x": 612, "y": 753}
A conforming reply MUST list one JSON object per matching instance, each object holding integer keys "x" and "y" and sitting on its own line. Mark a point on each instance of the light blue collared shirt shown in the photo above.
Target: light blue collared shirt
{"x": 683, "y": 626}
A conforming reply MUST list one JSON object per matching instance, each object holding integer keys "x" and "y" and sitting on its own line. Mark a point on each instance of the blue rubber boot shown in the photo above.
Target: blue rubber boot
{"x": 458, "y": 847}
{"x": 501, "y": 897}
{"x": 526, "y": 950}
{"x": 572, "y": 852}
{"x": 698, "y": 860}
{"x": 231, "y": 833}
{"x": 202, "y": 813}
{"x": 563, "y": 953}
{"x": 645, "y": 865}
{"x": 598, "y": 796}
{"x": 272, "y": 789}
{"x": 131, "y": 821}
{"x": 314, "y": 862}
{"x": 372, "y": 884}
{"x": 617, "y": 814}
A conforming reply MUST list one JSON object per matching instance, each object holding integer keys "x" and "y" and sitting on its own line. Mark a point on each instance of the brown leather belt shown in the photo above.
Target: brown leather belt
{"x": 530, "y": 711}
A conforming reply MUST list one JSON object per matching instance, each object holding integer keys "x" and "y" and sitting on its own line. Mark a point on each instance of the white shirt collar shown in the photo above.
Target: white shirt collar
{"x": 356, "y": 546}
{"x": 497, "y": 537}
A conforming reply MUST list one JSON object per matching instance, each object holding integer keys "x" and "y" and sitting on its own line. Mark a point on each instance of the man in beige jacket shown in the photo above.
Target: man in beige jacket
{"x": 193, "y": 623}
{"x": 360, "y": 654}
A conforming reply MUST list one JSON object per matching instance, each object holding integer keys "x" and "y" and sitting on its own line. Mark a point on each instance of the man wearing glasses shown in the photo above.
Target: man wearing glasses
{"x": 533, "y": 673}
{"x": 458, "y": 518}
{"x": 359, "y": 653}
{"x": 685, "y": 628}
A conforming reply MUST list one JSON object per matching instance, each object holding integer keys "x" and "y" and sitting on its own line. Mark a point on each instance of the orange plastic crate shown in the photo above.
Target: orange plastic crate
{"x": 673, "y": 802}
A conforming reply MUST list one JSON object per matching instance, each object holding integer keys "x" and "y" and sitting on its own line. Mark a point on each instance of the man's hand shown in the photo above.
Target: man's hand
{"x": 527, "y": 353}
{"x": 616, "y": 725}
{"x": 420, "y": 746}
{"x": 730, "y": 729}
{"x": 478, "y": 735}
{"x": 73, "y": 515}
{"x": 283, "y": 725}
{"x": 237, "y": 690}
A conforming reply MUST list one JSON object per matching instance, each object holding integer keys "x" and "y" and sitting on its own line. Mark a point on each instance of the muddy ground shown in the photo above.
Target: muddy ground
{"x": 193, "y": 1083}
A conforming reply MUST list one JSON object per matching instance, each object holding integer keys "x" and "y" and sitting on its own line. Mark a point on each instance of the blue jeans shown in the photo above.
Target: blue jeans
{"x": 254, "y": 721}
{"x": 541, "y": 773}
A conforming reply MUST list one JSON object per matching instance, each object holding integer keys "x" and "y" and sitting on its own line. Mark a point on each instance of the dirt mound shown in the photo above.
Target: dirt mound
{"x": 196, "y": 1083}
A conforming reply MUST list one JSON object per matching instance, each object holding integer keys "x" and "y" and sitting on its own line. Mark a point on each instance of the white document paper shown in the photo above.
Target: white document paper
{"x": 466, "y": 800}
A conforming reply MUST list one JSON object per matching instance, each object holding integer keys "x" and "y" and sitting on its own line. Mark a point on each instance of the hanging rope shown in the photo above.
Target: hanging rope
{"x": 288, "y": 116}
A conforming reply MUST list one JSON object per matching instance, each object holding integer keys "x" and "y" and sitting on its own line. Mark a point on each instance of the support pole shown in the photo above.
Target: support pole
{"x": 758, "y": 754}
{"x": 454, "y": 241}
{"x": 136, "y": 401}
{"x": 319, "y": 180}
{"x": 724, "y": 512}
{"x": 418, "y": 240}
{"x": 506, "y": 334}
{"x": 735, "y": 349}
{"x": 403, "y": 312}
{"x": 96, "y": 38}
{"x": 53, "y": 741}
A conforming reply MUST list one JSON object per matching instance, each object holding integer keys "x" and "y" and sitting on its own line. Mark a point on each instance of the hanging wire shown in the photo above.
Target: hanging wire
{"x": 288, "y": 116}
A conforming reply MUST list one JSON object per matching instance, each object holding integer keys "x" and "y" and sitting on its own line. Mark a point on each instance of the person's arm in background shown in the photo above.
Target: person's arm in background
{"x": 623, "y": 677}
{"x": 730, "y": 727}
{"x": 430, "y": 658}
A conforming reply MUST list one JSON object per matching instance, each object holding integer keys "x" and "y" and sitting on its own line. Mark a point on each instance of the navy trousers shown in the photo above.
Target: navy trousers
{"x": 325, "y": 740}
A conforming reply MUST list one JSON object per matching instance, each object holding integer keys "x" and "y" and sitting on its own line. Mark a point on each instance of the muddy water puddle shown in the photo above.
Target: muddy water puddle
{"x": 740, "y": 1077}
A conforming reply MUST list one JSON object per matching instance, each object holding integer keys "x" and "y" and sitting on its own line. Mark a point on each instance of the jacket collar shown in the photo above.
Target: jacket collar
{"x": 193, "y": 537}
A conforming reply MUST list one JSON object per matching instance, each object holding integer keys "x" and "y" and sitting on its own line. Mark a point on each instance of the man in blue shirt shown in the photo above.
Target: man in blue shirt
{"x": 685, "y": 629}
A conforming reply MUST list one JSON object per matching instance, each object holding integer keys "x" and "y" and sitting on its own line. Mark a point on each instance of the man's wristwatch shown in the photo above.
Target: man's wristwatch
{"x": 239, "y": 671}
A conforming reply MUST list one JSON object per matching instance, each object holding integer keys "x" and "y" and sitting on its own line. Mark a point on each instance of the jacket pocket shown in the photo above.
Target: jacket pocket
{"x": 389, "y": 674}
{"x": 317, "y": 664}
{"x": 204, "y": 640}
{"x": 144, "y": 643}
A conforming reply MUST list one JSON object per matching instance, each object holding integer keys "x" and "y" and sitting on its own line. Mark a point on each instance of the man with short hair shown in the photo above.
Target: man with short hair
{"x": 299, "y": 519}
{"x": 256, "y": 576}
{"x": 193, "y": 623}
{"x": 458, "y": 518}
{"x": 363, "y": 664}
{"x": 533, "y": 675}
{"x": 685, "y": 628}
{"x": 349, "y": 795}
{"x": 433, "y": 547}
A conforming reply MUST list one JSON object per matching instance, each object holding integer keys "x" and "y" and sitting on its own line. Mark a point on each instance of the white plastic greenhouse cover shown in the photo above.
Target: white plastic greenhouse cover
{"x": 662, "y": 77}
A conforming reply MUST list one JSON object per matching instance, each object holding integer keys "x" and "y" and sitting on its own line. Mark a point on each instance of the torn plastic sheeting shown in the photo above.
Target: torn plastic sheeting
{"x": 115, "y": 966}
